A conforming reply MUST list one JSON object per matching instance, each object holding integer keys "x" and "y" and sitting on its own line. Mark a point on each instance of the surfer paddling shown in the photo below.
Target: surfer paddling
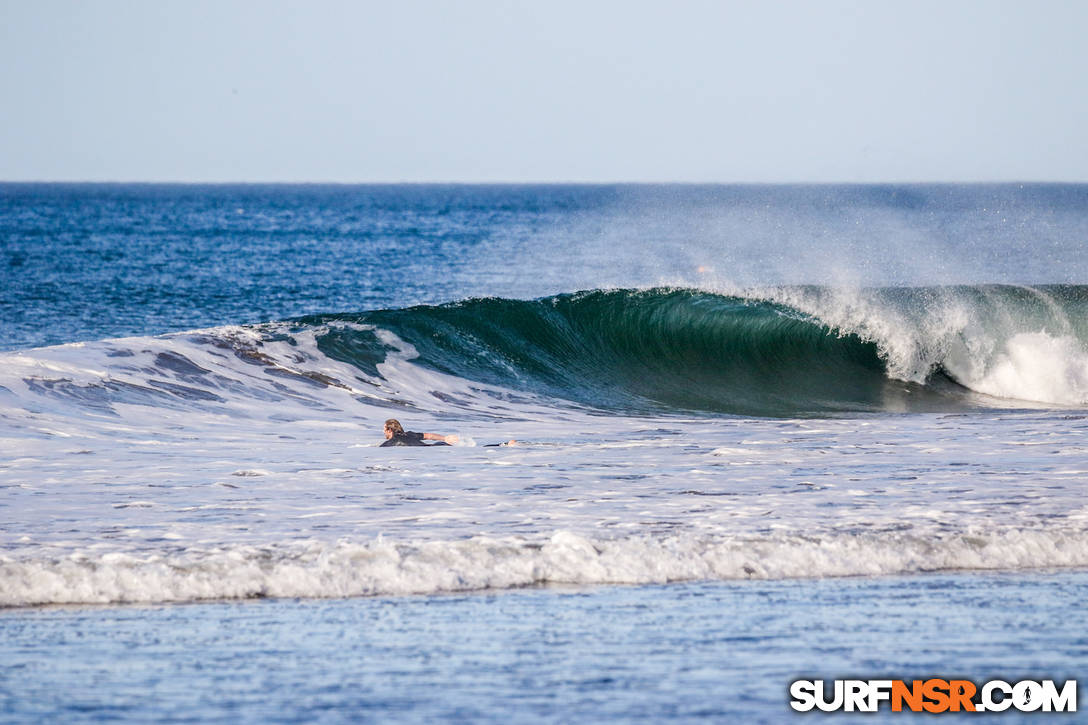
{"x": 395, "y": 435}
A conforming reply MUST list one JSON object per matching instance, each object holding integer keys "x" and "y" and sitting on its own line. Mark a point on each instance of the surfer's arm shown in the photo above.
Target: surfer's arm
{"x": 449, "y": 440}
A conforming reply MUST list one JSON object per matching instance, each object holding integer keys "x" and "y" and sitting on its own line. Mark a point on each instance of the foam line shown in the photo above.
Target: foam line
{"x": 383, "y": 567}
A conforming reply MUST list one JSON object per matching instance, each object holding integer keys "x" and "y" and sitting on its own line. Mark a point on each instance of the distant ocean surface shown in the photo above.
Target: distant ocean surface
{"x": 764, "y": 432}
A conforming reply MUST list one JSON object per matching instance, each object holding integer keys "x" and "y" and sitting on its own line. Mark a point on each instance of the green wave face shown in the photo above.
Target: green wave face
{"x": 688, "y": 351}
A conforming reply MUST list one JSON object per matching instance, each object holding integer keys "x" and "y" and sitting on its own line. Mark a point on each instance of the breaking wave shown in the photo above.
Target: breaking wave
{"x": 786, "y": 351}
{"x": 778, "y": 352}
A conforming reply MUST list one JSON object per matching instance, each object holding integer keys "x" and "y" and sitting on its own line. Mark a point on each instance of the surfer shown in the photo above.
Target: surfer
{"x": 395, "y": 435}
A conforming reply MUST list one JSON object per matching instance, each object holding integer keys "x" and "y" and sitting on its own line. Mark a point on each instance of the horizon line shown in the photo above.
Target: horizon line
{"x": 552, "y": 182}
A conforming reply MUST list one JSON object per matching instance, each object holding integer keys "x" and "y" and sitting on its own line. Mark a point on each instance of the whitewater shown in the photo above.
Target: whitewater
{"x": 181, "y": 453}
{"x": 870, "y": 394}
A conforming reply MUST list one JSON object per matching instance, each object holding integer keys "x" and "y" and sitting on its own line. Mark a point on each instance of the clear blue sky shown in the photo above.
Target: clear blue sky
{"x": 544, "y": 91}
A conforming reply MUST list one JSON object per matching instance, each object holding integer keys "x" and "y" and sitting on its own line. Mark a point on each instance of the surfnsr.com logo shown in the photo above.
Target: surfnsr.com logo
{"x": 933, "y": 695}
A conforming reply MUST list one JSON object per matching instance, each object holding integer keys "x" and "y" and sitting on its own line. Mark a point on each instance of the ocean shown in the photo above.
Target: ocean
{"x": 763, "y": 433}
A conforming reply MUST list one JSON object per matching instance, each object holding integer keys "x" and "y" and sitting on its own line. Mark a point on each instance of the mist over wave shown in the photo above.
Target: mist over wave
{"x": 88, "y": 262}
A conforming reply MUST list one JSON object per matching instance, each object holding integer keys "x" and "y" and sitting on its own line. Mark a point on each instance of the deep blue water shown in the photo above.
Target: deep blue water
{"x": 88, "y": 261}
{"x": 93, "y": 261}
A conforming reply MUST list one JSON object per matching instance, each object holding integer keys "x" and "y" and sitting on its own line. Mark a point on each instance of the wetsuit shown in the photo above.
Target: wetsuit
{"x": 409, "y": 438}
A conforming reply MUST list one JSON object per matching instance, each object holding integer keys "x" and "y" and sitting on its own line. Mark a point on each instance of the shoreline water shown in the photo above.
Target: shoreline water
{"x": 681, "y": 652}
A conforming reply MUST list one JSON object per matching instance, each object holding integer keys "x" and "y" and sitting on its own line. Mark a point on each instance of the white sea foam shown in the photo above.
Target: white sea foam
{"x": 1032, "y": 366}
{"x": 383, "y": 567}
{"x": 1020, "y": 346}
{"x": 115, "y": 492}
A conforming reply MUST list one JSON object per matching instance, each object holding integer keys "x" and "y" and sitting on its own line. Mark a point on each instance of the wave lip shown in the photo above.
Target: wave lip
{"x": 345, "y": 569}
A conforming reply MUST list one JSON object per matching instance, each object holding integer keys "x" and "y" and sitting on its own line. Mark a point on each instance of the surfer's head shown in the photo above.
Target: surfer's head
{"x": 393, "y": 428}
